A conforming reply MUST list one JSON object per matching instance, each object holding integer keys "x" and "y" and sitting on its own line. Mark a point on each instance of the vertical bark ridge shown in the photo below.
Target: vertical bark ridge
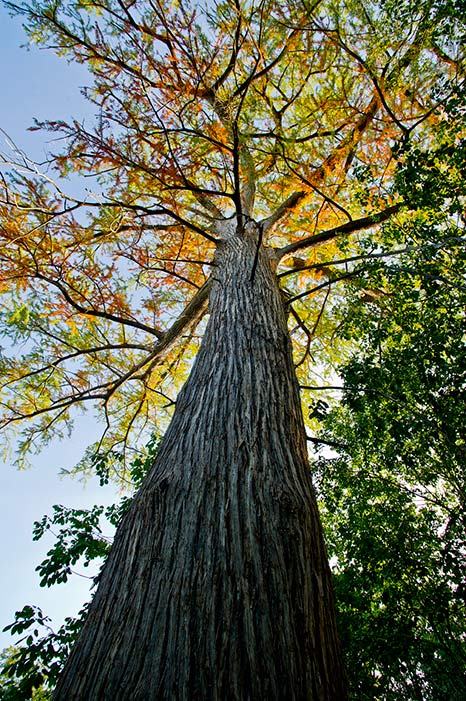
{"x": 217, "y": 586}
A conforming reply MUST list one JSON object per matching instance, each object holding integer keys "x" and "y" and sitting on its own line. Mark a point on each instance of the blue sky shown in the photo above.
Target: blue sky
{"x": 38, "y": 84}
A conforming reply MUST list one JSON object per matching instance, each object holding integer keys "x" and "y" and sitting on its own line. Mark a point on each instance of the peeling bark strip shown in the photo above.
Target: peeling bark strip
{"x": 217, "y": 587}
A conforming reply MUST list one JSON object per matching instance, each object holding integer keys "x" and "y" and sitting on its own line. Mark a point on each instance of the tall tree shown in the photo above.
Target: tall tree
{"x": 227, "y": 139}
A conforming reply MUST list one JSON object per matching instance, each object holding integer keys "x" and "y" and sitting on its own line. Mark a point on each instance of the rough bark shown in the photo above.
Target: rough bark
{"x": 217, "y": 586}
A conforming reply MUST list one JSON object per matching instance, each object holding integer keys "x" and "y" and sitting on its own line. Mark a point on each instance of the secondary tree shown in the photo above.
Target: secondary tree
{"x": 393, "y": 497}
{"x": 226, "y": 141}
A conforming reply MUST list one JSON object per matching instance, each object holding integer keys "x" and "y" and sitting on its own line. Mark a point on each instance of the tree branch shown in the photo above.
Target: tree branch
{"x": 191, "y": 314}
{"x": 322, "y": 286}
{"x": 288, "y": 206}
{"x": 193, "y": 311}
{"x": 88, "y": 311}
{"x": 367, "y": 256}
{"x": 331, "y": 444}
{"x": 347, "y": 228}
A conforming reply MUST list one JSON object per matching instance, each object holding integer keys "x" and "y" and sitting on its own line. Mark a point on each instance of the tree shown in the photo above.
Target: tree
{"x": 228, "y": 139}
{"x": 393, "y": 497}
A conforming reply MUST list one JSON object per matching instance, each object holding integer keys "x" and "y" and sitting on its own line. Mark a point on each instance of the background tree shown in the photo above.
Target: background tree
{"x": 393, "y": 499}
{"x": 255, "y": 130}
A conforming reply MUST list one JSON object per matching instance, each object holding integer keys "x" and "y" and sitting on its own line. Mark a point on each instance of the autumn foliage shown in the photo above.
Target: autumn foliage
{"x": 289, "y": 113}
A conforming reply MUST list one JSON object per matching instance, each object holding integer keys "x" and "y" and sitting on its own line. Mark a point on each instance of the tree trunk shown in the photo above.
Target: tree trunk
{"x": 217, "y": 586}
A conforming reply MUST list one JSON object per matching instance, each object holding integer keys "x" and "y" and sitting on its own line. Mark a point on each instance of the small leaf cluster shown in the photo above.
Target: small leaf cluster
{"x": 79, "y": 538}
{"x": 435, "y": 178}
{"x": 32, "y": 667}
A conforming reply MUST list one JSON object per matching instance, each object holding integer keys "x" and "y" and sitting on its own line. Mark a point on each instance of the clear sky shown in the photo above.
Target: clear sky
{"x": 35, "y": 83}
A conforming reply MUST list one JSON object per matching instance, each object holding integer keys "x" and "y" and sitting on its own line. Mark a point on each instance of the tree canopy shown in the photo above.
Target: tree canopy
{"x": 288, "y": 113}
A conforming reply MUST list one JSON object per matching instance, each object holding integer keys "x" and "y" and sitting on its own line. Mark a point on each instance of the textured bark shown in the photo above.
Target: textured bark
{"x": 217, "y": 586}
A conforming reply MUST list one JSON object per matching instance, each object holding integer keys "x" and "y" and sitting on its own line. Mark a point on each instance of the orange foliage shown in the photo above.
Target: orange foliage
{"x": 260, "y": 109}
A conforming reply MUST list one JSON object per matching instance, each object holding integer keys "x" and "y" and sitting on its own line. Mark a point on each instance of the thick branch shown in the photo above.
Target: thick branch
{"x": 347, "y": 228}
{"x": 193, "y": 312}
{"x": 288, "y": 206}
{"x": 331, "y": 444}
{"x": 366, "y": 256}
